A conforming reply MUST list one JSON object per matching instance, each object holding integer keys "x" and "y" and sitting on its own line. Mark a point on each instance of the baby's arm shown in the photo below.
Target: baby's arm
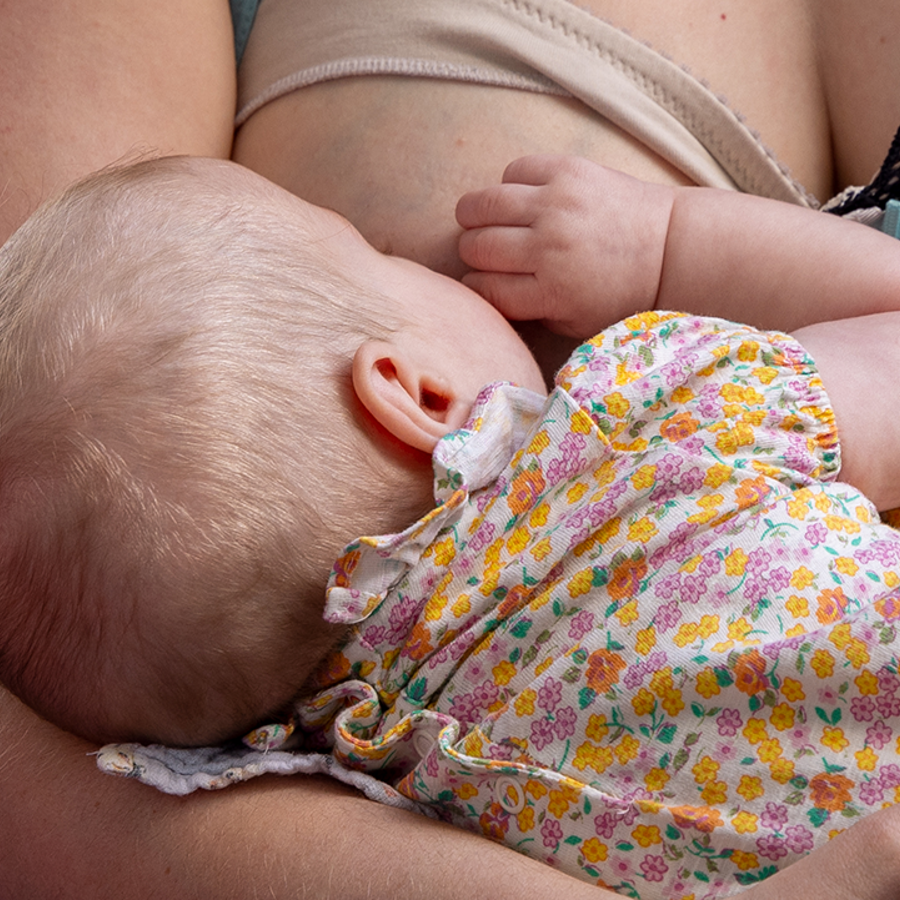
{"x": 580, "y": 246}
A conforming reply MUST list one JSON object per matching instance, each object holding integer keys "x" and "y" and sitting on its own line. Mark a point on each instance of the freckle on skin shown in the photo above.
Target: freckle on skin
{"x": 724, "y": 17}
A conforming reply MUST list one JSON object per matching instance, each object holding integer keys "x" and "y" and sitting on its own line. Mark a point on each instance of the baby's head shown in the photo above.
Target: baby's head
{"x": 208, "y": 388}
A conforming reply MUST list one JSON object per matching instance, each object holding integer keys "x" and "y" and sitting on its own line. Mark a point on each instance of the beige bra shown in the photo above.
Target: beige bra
{"x": 546, "y": 46}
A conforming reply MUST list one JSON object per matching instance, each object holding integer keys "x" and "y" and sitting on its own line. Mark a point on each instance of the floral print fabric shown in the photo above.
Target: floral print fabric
{"x": 646, "y": 636}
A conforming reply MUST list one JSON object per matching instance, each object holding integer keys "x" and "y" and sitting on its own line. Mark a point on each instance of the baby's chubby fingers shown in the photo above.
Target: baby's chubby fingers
{"x": 497, "y": 249}
{"x": 517, "y": 297}
{"x": 499, "y": 204}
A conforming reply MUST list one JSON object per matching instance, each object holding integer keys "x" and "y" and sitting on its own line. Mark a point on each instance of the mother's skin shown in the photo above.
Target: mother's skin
{"x": 88, "y": 82}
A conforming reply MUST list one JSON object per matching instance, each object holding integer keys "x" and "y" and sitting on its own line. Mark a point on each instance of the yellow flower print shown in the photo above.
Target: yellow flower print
{"x": 841, "y": 523}
{"x": 617, "y": 405}
{"x": 542, "y": 667}
{"x": 628, "y": 749}
{"x": 539, "y": 443}
{"x": 710, "y": 504}
{"x": 559, "y": 802}
{"x": 647, "y": 835}
{"x": 750, "y": 787}
{"x": 518, "y": 541}
{"x": 503, "y": 672}
{"x": 717, "y": 475}
{"x": 867, "y": 683}
{"x": 755, "y": 731}
{"x": 539, "y": 515}
{"x": 748, "y": 351}
{"x": 834, "y": 739}
{"x": 687, "y": 634}
{"x": 795, "y": 631}
{"x": 798, "y": 508}
{"x": 802, "y": 578}
{"x": 682, "y": 394}
{"x": 792, "y": 690}
{"x": 444, "y": 552}
{"x": 891, "y": 579}
{"x": 744, "y": 860}
{"x": 797, "y": 607}
{"x": 706, "y": 769}
{"x": 678, "y": 427}
{"x": 672, "y": 702}
{"x": 581, "y": 583}
{"x": 866, "y": 759}
{"x": 466, "y": 791}
{"x": 524, "y": 705}
{"x": 840, "y": 635}
{"x": 575, "y": 493}
{"x": 770, "y": 750}
{"x": 628, "y": 613}
{"x": 857, "y": 653}
{"x": 707, "y": 683}
{"x": 643, "y": 530}
{"x": 715, "y": 793}
{"x": 822, "y": 663}
{"x": 782, "y": 770}
{"x": 709, "y": 625}
{"x": 590, "y": 756}
{"x": 766, "y": 374}
{"x": 645, "y": 640}
{"x": 782, "y": 717}
{"x": 643, "y": 702}
{"x": 661, "y": 681}
{"x": 745, "y": 823}
{"x": 594, "y": 851}
{"x": 536, "y": 788}
{"x": 624, "y": 376}
{"x": 656, "y": 779}
{"x": 846, "y": 566}
{"x": 597, "y": 729}
{"x": 462, "y": 606}
{"x": 581, "y": 422}
{"x": 541, "y": 549}
{"x": 608, "y": 530}
{"x": 736, "y": 563}
{"x": 525, "y": 819}
{"x": 739, "y": 629}
{"x": 729, "y": 442}
{"x": 691, "y": 565}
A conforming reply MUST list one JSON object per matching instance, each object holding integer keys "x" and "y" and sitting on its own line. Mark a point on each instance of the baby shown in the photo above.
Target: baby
{"x": 645, "y": 634}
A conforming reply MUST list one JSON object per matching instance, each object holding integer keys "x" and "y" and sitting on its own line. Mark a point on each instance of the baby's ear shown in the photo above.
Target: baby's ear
{"x": 418, "y": 408}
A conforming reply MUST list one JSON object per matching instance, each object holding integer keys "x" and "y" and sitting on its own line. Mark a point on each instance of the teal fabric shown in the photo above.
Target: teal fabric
{"x": 243, "y": 12}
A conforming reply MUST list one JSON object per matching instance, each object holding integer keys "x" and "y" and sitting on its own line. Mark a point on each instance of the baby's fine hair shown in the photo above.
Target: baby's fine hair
{"x": 173, "y": 366}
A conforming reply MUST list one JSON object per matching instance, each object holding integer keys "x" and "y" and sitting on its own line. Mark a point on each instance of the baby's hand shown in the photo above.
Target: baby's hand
{"x": 566, "y": 241}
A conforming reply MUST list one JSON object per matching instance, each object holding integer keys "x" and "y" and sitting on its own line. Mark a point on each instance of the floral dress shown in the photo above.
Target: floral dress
{"x": 646, "y": 637}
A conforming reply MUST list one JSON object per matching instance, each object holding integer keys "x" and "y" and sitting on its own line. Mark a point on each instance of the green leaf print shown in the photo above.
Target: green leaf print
{"x": 817, "y": 816}
{"x": 521, "y": 628}
{"x": 586, "y": 696}
{"x": 672, "y": 833}
{"x": 667, "y": 734}
{"x": 416, "y": 691}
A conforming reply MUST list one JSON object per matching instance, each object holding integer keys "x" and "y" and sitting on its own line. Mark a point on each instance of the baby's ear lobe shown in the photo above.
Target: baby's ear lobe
{"x": 414, "y": 406}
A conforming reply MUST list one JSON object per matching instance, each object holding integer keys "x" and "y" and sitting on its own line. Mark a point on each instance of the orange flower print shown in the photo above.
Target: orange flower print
{"x": 419, "y": 644}
{"x": 750, "y": 673}
{"x": 494, "y": 822}
{"x": 832, "y": 603}
{"x": 703, "y": 818}
{"x": 830, "y": 791}
{"x": 889, "y": 607}
{"x": 679, "y": 427}
{"x": 524, "y": 491}
{"x": 751, "y": 491}
{"x": 626, "y": 578}
{"x": 344, "y": 567}
{"x": 603, "y": 668}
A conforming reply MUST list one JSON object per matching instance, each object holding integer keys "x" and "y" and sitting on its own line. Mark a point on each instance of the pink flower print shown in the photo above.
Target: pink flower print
{"x": 502, "y": 752}
{"x": 486, "y": 695}
{"x": 541, "y": 733}
{"x": 654, "y": 867}
{"x": 621, "y": 868}
{"x": 667, "y": 587}
{"x": 885, "y": 552}
{"x": 605, "y": 825}
{"x": 431, "y": 765}
{"x": 482, "y": 537}
{"x": 798, "y": 839}
{"x": 549, "y": 694}
{"x": 402, "y": 617}
{"x": 691, "y": 481}
{"x": 888, "y": 682}
{"x": 889, "y": 776}
{"x": 566, "y": 719}
{"x": 888, "y": 707}
{"x": 581, "y": 624}
{"x": 879, "y": 735}
{"x": 464, "y": 708}
{"x": 551, "y": 832}
{"x": 862, "y": 709}
{"x": 771, "y": 847}
{"x": 871, "y": 793}
{"x": 729, "y": 721}
{"x": 774, "y": 816}
{"x": 667, "y": 616}
{"x": 372, "y": 636}
{"x": 570, "y": 462}
{"x": 816, "y": 533}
